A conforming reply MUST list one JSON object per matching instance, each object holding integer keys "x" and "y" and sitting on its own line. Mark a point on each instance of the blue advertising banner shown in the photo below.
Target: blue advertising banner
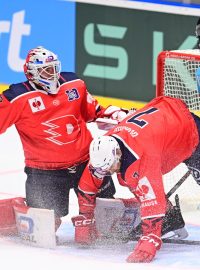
{"x": 25, "y": 24}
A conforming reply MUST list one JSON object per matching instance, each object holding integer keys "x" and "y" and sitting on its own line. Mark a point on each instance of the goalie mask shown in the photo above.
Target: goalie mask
{"x": 104, "y": 154}
{"x": 42, "y": 68}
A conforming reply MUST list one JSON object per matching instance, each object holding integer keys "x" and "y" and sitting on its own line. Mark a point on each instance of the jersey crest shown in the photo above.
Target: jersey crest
{"x": 72, "y": 94}
{"x": 62, "y": 130}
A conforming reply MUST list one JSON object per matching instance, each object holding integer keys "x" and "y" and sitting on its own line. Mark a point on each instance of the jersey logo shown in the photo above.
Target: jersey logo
{"x": 72, "y": 94}
{"x": 144, "y": 190}
{"x": 62, "y": 130}
{"x": 36, "y": 104}
{"x": 1, "y": 99}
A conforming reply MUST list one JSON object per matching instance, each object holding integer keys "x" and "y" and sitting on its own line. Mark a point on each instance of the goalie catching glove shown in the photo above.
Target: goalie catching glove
{"x": 116, "y": 113}
{"x": 112, "y": 116}
{"x": 85, "y": 229}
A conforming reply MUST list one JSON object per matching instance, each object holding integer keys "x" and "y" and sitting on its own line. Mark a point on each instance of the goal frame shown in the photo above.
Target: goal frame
{"x": 175, "y": 54}
{"x": 167, "y": 69}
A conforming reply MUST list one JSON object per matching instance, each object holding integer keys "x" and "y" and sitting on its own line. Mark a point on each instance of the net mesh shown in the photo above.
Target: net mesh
{"x": 178, "y": 72}
{"x": 180, "y": 78}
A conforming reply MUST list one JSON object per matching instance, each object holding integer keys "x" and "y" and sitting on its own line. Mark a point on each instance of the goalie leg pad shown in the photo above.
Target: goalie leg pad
{"x": 36, "y": 226}
{"x": 7, "y": 214}
{"x": 116, "y": 218}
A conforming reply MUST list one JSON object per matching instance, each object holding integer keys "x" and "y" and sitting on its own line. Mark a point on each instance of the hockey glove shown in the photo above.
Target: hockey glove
{"x": 115, "y": 113}
{"x": 149, "y": 243}
{"x": 145, "y": 249}
{"x": 85, "y": 229}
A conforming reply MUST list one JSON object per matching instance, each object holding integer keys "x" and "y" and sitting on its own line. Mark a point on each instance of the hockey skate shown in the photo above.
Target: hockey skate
{"x": 173, "y": 222}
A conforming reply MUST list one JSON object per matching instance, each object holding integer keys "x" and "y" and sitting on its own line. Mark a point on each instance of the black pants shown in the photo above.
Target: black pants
{"x": 193, "y": 163}
{"x": 50, "y": 189}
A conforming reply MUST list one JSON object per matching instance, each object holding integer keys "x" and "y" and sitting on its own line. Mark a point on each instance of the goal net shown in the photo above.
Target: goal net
{"x": 177, "y": 77}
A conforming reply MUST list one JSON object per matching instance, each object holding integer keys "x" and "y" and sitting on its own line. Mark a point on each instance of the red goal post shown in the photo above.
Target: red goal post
{"x": 176, "y": 76}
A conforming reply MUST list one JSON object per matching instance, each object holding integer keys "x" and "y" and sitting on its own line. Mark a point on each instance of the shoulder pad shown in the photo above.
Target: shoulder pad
{"x": 68, "y": 76}
{"x": 16, "y": 90}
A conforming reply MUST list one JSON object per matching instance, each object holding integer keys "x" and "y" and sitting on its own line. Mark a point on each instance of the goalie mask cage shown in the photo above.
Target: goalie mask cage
{"x": 176, "y": 77}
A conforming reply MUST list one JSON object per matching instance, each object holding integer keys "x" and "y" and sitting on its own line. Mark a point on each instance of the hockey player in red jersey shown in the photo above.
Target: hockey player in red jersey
{"x": 141, "y": 149}
{"x": 50, "y": 111}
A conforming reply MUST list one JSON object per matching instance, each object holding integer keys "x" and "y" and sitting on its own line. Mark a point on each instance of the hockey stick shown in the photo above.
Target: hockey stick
{"x": 178, "y": 184}
{"x": 175, "y": 241}
{"x": 181, "y": 241}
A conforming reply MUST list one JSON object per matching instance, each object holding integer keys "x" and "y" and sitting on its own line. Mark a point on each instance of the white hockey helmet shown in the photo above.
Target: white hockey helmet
{"x": 103, "y": 153}
{"x": 40, "y": 62}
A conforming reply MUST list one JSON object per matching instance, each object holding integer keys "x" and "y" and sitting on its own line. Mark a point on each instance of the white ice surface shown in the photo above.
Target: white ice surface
{"x": 15, "y": 255}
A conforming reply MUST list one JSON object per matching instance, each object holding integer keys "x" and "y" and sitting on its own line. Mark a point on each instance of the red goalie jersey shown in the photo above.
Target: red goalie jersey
{"x": 52, "y": 128}
{"x": 153, "y": 141}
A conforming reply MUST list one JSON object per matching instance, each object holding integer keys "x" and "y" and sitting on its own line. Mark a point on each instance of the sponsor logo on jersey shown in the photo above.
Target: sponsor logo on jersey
{"x": 72, "y": 94}
{"x": 144, "y": 190}
{"x": 36, "y": 104}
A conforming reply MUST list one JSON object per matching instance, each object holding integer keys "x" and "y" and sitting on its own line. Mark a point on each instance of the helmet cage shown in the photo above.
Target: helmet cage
{"x": 42, "y": 62}
{"x": 36, "y": 70}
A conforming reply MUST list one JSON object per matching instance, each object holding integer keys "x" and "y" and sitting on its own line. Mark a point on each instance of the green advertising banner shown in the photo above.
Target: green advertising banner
{"x": 117, "y": 48}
